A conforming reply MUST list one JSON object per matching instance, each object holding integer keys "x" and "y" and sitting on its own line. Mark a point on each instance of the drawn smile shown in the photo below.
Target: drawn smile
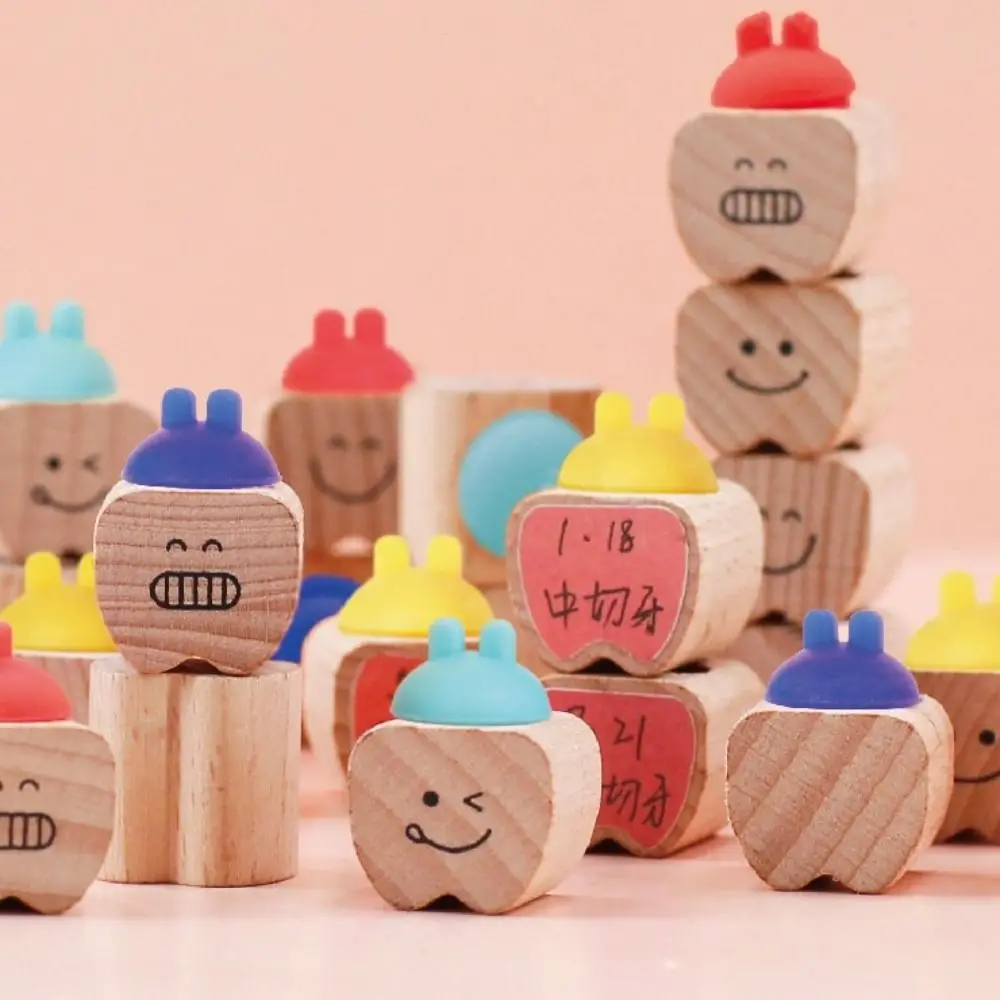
{"x": 415, "y": 834}
{"x": 981, "y": 780}
{"x": 187, "y": 590}
{"x": 24, "y": 831}
{"x": 347, "y": 496}
{"x": 798, "y": 564}
{"x": 41, "y": 496}
{"x": 767, "y": 390}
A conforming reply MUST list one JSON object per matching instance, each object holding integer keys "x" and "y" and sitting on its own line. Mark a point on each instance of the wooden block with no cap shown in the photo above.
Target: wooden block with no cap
{"x": 844, "y": 771}
{"x": 663, "y": 748}
{"x": 640, "y": 555}
{"x": 805, "y": 368}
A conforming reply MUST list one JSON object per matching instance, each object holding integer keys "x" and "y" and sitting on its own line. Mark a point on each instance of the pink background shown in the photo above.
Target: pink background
{"x": 204, "y": 176}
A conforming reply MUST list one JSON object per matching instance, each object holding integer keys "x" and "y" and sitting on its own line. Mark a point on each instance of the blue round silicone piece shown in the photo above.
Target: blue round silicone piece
{"x": 54, "y": 367}
{"x": 320, "y": 597}
{"x": 192, "y": 454}
{"x": 517, "y": 455}
{"x": 843, "y": 676}
{"x": 472, "y": 688}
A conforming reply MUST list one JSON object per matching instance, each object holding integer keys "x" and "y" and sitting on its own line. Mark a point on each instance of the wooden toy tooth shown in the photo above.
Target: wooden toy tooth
{"x": 806, "y": 368}
{"x": 663, "y": 743}
{"x": 477, "y": 790}
{"x": 955, "y": 658}
{"x": 63, "y": 434}
{"x": 334, "y": 435}
{"x": 472, "y": 449}
{"x": 640, "y": 555}
{"x": 57, "y": 790}
{"x": 843, "y": 770}
{"x": 58, "y": 626}
{"x": 198, "y": 549}
{"x": 787, "y": 173}
{"x": 198, "y": 555}
{"x": 355, "y": 661}
{"x": 836, "y": 526}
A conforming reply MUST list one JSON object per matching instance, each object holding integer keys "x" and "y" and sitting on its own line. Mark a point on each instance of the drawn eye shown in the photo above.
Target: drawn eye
{"x": 92, "y": 463}
{"x": 213, "y": 544}
{"x": 791, "y": 515}
{"x": 28, "y": 783}
{"x": 786, "y": 348}
{"x": 777, "y": 164}
{"x": 338, "y": 442}
{"x": 743, "y": 164}
{"x": 987, "y": 737}
{"x": 469, "y": 800}
{"x": 431, "y": 799}
{"x": 763, "y": 513}
{"x": 370, "y": 444}
{"x": 177, "y": 543}
{"x": 53, "y": 463}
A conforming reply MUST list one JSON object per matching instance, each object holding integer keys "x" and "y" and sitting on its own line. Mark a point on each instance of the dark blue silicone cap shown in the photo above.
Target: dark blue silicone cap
{"x": 843, "y": 676}
{"x": 320, "y": 597}
{"x": 210, "y": 454}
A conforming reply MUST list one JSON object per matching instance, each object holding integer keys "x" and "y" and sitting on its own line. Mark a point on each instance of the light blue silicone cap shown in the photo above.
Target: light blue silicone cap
{"x": 54, "y": 367}
{"x": 472, "y": 688}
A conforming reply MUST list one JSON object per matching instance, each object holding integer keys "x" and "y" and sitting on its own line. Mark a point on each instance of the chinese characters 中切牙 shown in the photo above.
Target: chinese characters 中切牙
{"x": 607, "y": 605}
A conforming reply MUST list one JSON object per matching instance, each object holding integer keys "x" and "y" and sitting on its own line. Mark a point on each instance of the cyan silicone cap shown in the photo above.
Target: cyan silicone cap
{"x": 54, "y": 367}
{"x": 210, "y": 454}
{"x": 843, "y": 676}
{"x": 457, "y": 686}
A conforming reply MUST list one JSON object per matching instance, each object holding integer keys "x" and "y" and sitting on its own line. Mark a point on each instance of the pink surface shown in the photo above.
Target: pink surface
{"x": 699, "y": 925}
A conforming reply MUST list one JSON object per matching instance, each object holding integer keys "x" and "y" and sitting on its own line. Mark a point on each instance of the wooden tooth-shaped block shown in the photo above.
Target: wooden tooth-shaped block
{"x": 198, "y": 549}
{"x": 471, "y": 450}
{"x": 641, "y": 555}
{"x": 836, "y": 526}
{"x": 355, "y": 661}
{"x": 334, "y": 432}
{"x": 663, "y": 747}
{"x": 63, "y": 433}
{"x": 955, "y": 658}
{"x": 844, "y": 770}
{"x": 805, "y": 368}
{"x": 478, "y": 790}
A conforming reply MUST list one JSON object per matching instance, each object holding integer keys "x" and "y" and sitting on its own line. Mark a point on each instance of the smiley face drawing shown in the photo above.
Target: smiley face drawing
{"x": 477, "y": 790}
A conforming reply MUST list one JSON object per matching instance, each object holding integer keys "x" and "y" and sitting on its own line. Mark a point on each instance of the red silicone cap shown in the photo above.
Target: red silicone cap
{"x": 336, "y": 364}
{"x": 28, "y": 693}
{"x": 793, "y": 75}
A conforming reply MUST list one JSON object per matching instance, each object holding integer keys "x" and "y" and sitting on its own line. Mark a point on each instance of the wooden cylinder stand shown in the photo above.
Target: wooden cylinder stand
{"x": 208, "y": 773}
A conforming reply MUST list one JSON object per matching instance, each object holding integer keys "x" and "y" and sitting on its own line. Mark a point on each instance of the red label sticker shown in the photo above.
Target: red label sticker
{"x": 647, "y": 757}
{"x": 374, "y": 686}
{"x": 605, "y": 573}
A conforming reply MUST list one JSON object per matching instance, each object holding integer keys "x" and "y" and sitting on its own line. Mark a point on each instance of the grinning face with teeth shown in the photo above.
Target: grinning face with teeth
{"x": 199, "y": 571}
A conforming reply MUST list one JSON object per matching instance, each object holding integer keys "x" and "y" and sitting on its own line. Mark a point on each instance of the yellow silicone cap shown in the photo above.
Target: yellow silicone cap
{"x": 623, "y": 457}
{"x": 964, "y": 637}
{"x": 405, "y": 600}
{"x": 55, "y": 616}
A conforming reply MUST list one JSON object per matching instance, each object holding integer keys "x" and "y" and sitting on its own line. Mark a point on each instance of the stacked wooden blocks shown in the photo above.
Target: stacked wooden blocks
{"x": 198, "y": 557}
{"x": 788, "y": 359}
{"x": 633, "y": 576}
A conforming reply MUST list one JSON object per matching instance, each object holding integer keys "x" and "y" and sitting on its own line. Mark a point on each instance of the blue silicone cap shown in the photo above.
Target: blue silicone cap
{"x": 192, "y": 454}
{"x": 473, "y": 688}
{"x": 319, "y": 597}
{"x": 515, "y": 456}
{"x": 54, "y": 367}
{"x": 847, "y": 676}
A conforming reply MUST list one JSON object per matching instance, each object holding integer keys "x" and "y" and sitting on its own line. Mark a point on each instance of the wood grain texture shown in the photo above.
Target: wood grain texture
{"x": 854, "y": 796}
{"x": 72, "y": 672}
{"x": 527, "y": 796}
{"x": 725, "y": 555}
{"x": 837, "y": 527}
{"x": 439, "y": 420}
{"x": 972, "y": 702}
{"x": 715, "y": 700}
{"x": 807, "y": 368}
{"x": 59, "y": 462}
{"x": 208, "y": 774}
{"x": 57, "y": 804}
{"x": 341, "y": 456}
{"x": 230, "y": 593}
{"x": 798, "y": 194}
